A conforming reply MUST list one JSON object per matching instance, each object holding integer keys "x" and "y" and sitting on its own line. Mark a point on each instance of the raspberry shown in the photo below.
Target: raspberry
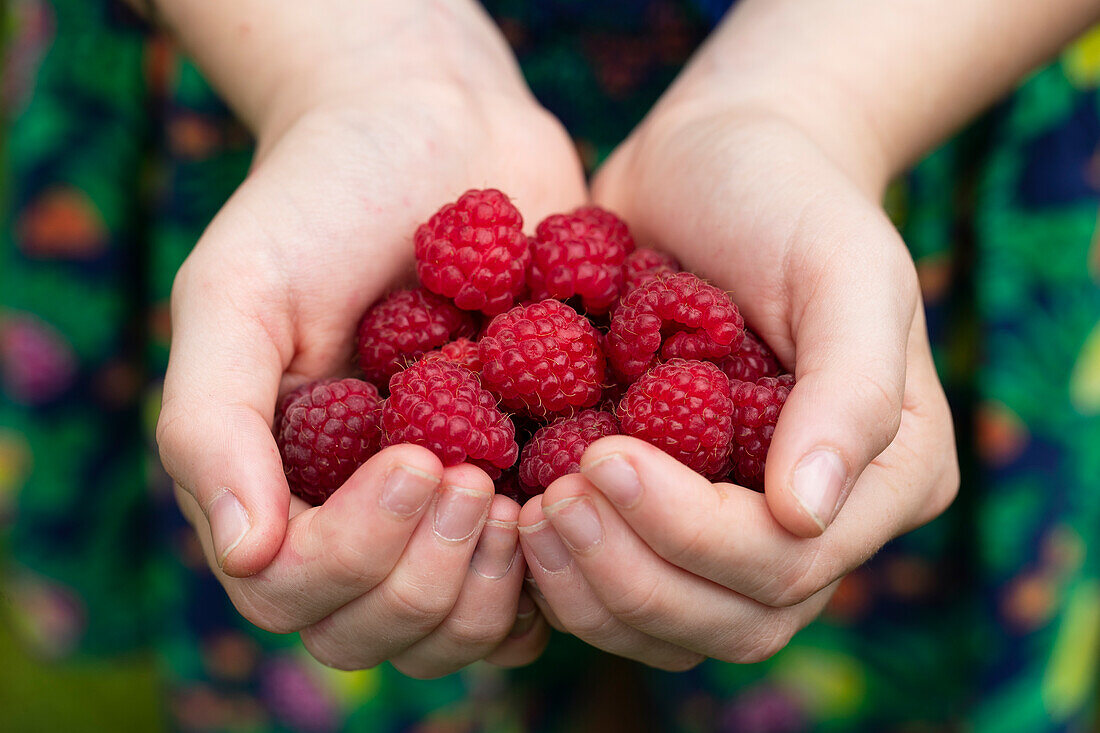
{"x": 543, "y": 359}
{"x": 668, "y": 316}
{"x": 756, "y": 407}
{"x": 580, "y": 254}
{"x": 556, "y": 449}
{"x": 475, "y": 251}
{"x": 683, "y": 407}
{"x": 443, "y": 407}
{"x": 642, "y": 263}
{"x": 293, "y": 396}
{"x": 327, "y": 433}
{"x": 402, "y": 326}
{"x": 461, "y": 351}
{"x": 750, "y": 362}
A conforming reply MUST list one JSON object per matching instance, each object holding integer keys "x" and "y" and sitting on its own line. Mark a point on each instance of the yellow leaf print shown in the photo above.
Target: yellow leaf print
{"x": 1084, "y": 383}
{"x": 830, "y": 683}
{"x": 1068, "y": 681}
{"x": 1082, "y": 60}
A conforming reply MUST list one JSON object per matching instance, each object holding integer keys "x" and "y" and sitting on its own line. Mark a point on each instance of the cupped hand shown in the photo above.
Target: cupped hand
{"x": 642, "y": 557}
{"x": 270, "y": 298}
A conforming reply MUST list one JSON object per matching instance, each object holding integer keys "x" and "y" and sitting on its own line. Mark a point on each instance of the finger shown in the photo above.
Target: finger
{"x": 581, "y": 612}
{"x": 423, "y": 586}
{"x": 213, "y": 433}
{"x": 527, "y": 639}
{"x": 338, "y": 551}
{"x": 486, "y": 609}
{"x": 851, "y": 337}
{"x": 728, "y": 534}
{"x": 659, "y": 599}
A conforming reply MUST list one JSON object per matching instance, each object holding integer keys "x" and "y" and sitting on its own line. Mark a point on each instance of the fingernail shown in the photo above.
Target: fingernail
{"x": 229, "y": 524}
{"x": 525, "y": 616}
{"x": 577, "y": 522}
{"x": 406, "y": 490}
{"x": 616, "y": 478}
{"x": 550, "y": 552}
{"x": 495, "y": 552}
{"x": 459, "y": 511}
{"x": 818, "y": 483}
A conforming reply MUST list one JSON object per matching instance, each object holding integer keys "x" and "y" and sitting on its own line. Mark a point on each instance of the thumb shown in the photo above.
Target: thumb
{"x": 845, "y": 407}
{"x": 214, "y": 434}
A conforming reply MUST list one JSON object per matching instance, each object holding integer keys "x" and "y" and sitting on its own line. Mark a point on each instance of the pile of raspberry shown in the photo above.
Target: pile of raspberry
{"x": 516, "y": 353}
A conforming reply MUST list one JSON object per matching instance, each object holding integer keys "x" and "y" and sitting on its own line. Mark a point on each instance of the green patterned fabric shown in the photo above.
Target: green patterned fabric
{"x": 118, "y": 154}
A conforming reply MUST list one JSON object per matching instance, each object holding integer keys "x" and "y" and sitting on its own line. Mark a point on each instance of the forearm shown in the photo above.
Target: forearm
{"x": 878, "y": 84}
{"x": 269, "y": 60}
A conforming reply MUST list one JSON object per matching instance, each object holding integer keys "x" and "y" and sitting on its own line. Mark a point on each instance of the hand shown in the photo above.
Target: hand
{"x": 270, "y": 298}
{"x": 661, "y": 566}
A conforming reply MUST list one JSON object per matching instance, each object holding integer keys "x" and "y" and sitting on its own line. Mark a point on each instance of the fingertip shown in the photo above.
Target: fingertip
{"x": 254, "y": 551}
{"x": 566, "y": 487}
{"x": 805, "y": 498}
{"x": 468, "y": 477}
{"x": 504, "y": 511}
{"x": 407, "y": 455}
{"x": 531, "y": 513}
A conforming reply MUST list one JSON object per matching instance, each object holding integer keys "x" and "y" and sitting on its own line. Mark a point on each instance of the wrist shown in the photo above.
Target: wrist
{"x": 273, "y": 65}
{"x": 828, "y": 117}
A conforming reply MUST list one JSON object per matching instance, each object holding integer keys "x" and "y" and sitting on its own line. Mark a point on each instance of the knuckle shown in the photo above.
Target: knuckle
{"x": 597, "y": 624}
{"x": 687, "y": 549}
{"x": 800, "y": 577}
{"x": 881, "y": 399}
{"x": 768, "y": 640}
{"x": 326, "y": 650}
{"x": 638, "y": 604}
{"x": 419, "y": 669}
{"x": 264, "y": 612}
{"x": 416, "y": 607}
{"x": 688, "y": 661}
{"x": 470, "y": 630}
{"x": 350, "y": 564}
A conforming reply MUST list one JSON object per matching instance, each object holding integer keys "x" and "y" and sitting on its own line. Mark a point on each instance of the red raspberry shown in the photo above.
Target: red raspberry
{"x": 750, "y": 362}
{"x": 443, "y": 407}
{"x": 327, "y": 433}
{"x": 683, "y": 407}
{"x": 293, "y": 396}
{"x": 671, "y": 316}
{"x": 543, "y": 359}
{"x": 756, "y": 407}
{"x": 402, "y": 326}
{"x": 580, "y": 254}
{"x": 461, "y": 351}
{"x": 642, "y": 263}
{"x": 475, "y": 251}
{"x": 556, "y": 449}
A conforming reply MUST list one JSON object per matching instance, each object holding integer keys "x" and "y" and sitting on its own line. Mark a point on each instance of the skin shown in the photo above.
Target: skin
{"x": 762, "y": 169}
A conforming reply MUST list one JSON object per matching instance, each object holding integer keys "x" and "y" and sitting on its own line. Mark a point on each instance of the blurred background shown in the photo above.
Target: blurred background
{"x": 115, "y": 154}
